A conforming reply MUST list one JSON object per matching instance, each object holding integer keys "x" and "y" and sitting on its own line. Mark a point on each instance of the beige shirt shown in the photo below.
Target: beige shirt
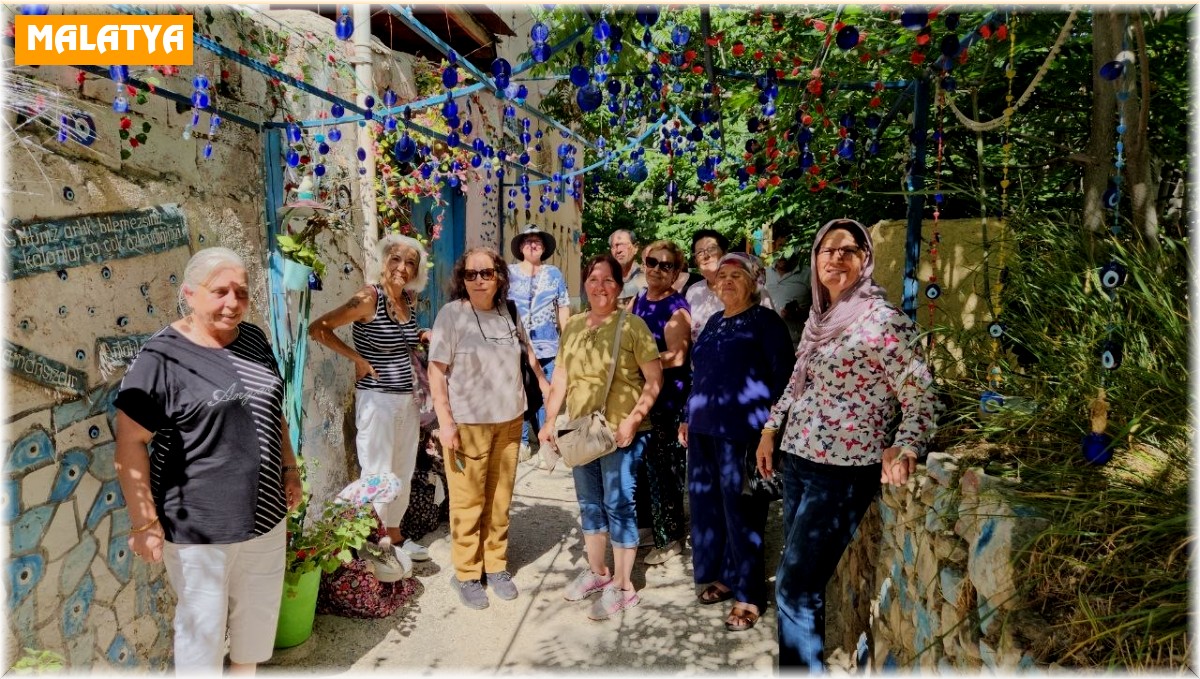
{"x": 585, "y": 354}
{"x": 483, "y": 354}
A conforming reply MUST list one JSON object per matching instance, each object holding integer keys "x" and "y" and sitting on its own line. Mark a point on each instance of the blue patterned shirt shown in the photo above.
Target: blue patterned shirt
{"x": 538, "y": 298}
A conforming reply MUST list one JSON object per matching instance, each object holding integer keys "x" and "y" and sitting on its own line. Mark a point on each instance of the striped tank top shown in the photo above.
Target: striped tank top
{"x": 384, "y": 343}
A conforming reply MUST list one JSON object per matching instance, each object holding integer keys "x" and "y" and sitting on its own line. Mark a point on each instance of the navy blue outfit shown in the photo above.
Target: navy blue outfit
{"x": 741, "y": 366}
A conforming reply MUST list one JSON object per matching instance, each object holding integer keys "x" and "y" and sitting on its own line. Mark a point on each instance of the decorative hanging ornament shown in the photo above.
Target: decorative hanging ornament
{"x": 914, "y": 18}
{"x": 847, "y": 38}
{"x": 1096, "y": 445}
{"x": 345, "y": 25}
{"x": 1113, "y": 275}
{"x": 680, "y": 35}
{"x": 601, "y": 31}
{"x": 647, "y": 15}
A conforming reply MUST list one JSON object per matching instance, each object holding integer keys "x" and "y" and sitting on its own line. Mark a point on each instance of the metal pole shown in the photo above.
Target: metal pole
{"x": 916, "y": 198}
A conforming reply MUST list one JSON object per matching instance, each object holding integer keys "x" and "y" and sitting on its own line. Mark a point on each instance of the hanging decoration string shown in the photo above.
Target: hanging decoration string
{"x": 996, "y": 123}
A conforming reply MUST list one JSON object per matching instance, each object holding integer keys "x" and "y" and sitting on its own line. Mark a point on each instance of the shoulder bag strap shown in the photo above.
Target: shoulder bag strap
{"x": 612, "y": 366}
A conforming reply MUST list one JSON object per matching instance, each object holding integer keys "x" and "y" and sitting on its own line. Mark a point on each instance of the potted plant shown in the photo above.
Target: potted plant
{"x": 321, "y": 546}
{"x": 302, "y": 220}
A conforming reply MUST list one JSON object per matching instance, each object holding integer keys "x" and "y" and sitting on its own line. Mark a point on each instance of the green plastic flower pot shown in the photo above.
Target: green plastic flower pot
{"x": 295, "y": 275}
{"x": 297, "y": 610}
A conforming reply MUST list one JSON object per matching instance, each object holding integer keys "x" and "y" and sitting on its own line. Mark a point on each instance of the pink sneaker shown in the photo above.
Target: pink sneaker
{"x": 584, "y": 584}
{"x": 613, "y": 600}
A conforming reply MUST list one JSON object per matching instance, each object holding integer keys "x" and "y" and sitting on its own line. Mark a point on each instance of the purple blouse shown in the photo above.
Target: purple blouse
{"x": 676, "y": 381}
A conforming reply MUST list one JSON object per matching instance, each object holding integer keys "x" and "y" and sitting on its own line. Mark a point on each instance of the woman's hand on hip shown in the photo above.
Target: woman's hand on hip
{"x": 362, "y": 368}
{"x": 898, "y": 464}
{"x": 765, "y": 455}
{"x": 148, "y": 544}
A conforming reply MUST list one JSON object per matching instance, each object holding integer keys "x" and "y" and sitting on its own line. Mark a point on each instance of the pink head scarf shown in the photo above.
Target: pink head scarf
{"x": 826, "y": 320}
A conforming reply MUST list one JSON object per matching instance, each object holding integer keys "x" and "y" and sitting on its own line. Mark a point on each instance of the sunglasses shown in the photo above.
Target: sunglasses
{"x": 660, "y": 264}
{"x": 485, "y": 274}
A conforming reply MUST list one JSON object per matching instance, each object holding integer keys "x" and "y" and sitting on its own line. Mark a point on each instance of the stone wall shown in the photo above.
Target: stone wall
{"x": 928, "y": 582}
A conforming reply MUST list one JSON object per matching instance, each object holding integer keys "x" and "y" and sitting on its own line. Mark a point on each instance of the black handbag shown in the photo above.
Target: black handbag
{"x": 753, "y": 483}
{"x": 529, "y": 380}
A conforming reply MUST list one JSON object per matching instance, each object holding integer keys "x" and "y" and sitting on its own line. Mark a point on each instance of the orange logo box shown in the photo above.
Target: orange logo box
{"x": 103, "y": 40}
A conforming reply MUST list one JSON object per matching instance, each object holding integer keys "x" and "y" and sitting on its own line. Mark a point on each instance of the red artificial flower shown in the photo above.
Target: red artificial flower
{"x": 819, "y": 108}
{"x": 710, "y": 187}
{"x": 864, "y": 57}
{"x": 750, "y": 169}
{"x": 985, "y": 31}
{"x": 814, "y": 169}
{"x": 1002, "y": 32}
{"x": 923, "y": 39}
{"x": 819, "y": 25}
{"x": 774, "y": 180}
{"x": 778, "y": 57}
{"x": 838, "y": 25}
{"x": 878, "y": 85}
{"x": 133, "y": 142}
{"x": 822, "y": 184}
{"x": 758, "y": 54}
{"x": 796, "y": 61}
{"x": 738, "y": 49}
{"x": 814, "y": 87}
{"x": 664, "y": 58}
{"x": 917, "y": 58}
{"x": 795, "y": 71}
{"x": 842, "y": 132}
{"x": 697, "y": 69}
{"x": 875, "y": 101}
{"x": 126, "y": 123}
{"x": 962, "y": 56}
{"x": 242, "y": 51}
{"x": 689, "y": 55}
{"x": 806, "y": 120}
{"x": 224, "y": 75}
{"x": 80, "y": 77}
{"x": 131, "y": 89}
{"x": 273, "y": 59}
{"x": 762, "y": 183}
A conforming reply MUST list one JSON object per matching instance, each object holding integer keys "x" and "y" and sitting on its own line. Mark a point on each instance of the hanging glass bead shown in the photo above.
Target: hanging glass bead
{"x": 540, "y": 33}
{"x": 541, "y": 53}
{"x": 120, "y": 104}
{"x": 601, "y": 31}
{"x": 362, "y": 154}
{"x": 200, "y": 99}
{"x": 337, "y": 110}
{"x": 450, "y": 77}
{"x": 680, "y": 34}
{"x": 345, "y": 25}
{"x": 847, "y": 38}
{"x": 579, "y": 76}
{"x": 335, "y": 135}
{"x": 602, "y": 57}
{"x": 63, "y": 126}
{"x": 293, "y": 133}
{"x": 452, "y": 139}
{"x": 293, "y": 157}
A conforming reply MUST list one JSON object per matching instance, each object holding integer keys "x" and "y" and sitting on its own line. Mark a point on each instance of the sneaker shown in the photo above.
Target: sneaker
{"x": 383, "y": 562}
{"x": 612, "y": 600}
{"x": 584, "y": 584}
{"x": 502, "y": 585}
{"x": 415, "y": 551}
{"x": 471, "y": 592}
{"x": 661, "y": 555}
{"x": 524, "y": 452}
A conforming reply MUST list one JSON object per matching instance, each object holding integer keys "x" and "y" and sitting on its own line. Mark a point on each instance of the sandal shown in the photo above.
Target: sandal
{"x": 714, "y": 595}
{"x": 740, "y": 620}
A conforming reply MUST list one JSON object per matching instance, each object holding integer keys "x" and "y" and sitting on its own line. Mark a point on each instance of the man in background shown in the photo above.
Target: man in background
{"x": 624, "y": 248}
{"x": 790, "y": 285}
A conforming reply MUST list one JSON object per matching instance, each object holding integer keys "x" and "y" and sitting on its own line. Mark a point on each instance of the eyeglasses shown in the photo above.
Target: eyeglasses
{"x": 847, "y": 251}
{"x": 485, "y": 274}
{"x": 660, "y": 264}
{"x": 712, "y": 251}
{"x": 506, "y": 339}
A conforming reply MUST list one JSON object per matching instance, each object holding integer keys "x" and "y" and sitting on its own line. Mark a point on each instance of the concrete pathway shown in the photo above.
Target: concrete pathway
{"x": 539, "y": 631}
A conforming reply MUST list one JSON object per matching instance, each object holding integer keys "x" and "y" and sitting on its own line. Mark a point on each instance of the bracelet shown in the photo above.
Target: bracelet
{"x": 144, "y": 528}
{"x": 769, "y": 430}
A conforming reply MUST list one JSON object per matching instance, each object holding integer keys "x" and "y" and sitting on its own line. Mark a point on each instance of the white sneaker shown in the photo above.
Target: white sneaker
{"x": 585, "y": 584}
{"x": 662, "y": 555}
{"x": 415, "y": 551}
{"x": 612, "y": 601}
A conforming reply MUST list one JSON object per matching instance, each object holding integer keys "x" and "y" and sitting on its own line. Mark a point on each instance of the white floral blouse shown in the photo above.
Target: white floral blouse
{"x": 854, "y": 384}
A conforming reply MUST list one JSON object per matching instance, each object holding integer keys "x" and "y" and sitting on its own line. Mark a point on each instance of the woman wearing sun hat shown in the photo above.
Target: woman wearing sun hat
{"x": 540, "y": 293}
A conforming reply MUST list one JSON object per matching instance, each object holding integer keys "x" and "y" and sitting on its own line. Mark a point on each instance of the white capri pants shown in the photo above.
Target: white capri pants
{"x": 239, "y": 585}
{"x": 389, "y": 429}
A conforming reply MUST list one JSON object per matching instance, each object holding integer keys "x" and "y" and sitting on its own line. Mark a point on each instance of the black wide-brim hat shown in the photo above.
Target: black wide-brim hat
{"x": 548, "y": 243}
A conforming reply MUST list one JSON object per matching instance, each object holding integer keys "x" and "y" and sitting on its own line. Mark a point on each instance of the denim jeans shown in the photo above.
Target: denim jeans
{"x": 548, "y": 368}
{"x": 727, "y": 526}
{"x": 605, "y": 489}
{"x": 822, "y": 505}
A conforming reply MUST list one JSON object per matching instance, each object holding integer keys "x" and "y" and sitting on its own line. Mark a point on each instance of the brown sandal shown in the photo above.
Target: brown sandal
{"x": 740, "y": 620}
{"x": 714, "y": 595}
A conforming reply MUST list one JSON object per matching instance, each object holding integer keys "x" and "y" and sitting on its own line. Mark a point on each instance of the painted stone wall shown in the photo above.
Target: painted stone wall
{"x": 928, "y": 582}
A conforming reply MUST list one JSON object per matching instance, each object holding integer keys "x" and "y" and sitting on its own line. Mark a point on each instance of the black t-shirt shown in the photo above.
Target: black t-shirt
{"x": 216, "y": 414}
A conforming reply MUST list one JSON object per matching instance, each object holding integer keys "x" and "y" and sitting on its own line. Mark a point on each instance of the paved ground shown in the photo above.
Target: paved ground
{"x": 539, "y": 631}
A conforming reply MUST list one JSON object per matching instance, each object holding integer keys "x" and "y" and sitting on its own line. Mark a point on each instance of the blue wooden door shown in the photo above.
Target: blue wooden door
{"x": 446, "y": 249}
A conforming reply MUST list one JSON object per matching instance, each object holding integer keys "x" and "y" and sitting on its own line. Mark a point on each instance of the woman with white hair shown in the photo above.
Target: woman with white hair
{"x": 386, "y": 413}
{"x": 206, "y": 469}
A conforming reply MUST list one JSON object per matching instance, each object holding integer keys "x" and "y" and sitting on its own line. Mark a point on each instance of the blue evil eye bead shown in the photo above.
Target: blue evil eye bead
{"x": 950, "y": 46}
{"x": 914, "y": 19}
{"x": 323, "y": 148}
{"x": 200, "y": 99}
{"x": 122, "y": 321}
{"x": 389, "y": 98}
{"x": 293, "y": 133}
{"x": 200, "y": 82}
{"x": 602, "y": 57}
{"x": 647, "y": 15}
{"x": 1111, "y": 197}
{"x": 681, "y": 34}
{"x": 510, "y": 111}
{"x": 540, "y": 33}
{"x": 120, "y": 104}
{"x": 522, "y": 92}
{"x": 467, "y": 128}
{"x": 345, "y": 25}
{"x": 62, "y": 274}
{"x": 337, "y": 110}
{"x": 951, "y": 21}
{"x": 335, "y": 135}
{"x": 949, "y": 83}
{"x": 1111, "y": 354}
{"x": 579, "y": 76}
{"x": 847, "y": 38}
{"x": 361, "y": 154}
{"x": 369, "y": 102}
{"x": 450, "y": 77}
{"x": 933, "y": 290}
{"x": 589, "y": 98}
{"x": 990, "y": 403}
{"x": 119, "y": 74}
{"x": 1113, "y": 275}
{"x": 995, "y": 329}
{"x": 93, "y": 431}
{"x": 1112, "y": 70}
{"x": 1097, "y": 448}
{"x": 601, "y": 31}
{"x": 501, "y": 67}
